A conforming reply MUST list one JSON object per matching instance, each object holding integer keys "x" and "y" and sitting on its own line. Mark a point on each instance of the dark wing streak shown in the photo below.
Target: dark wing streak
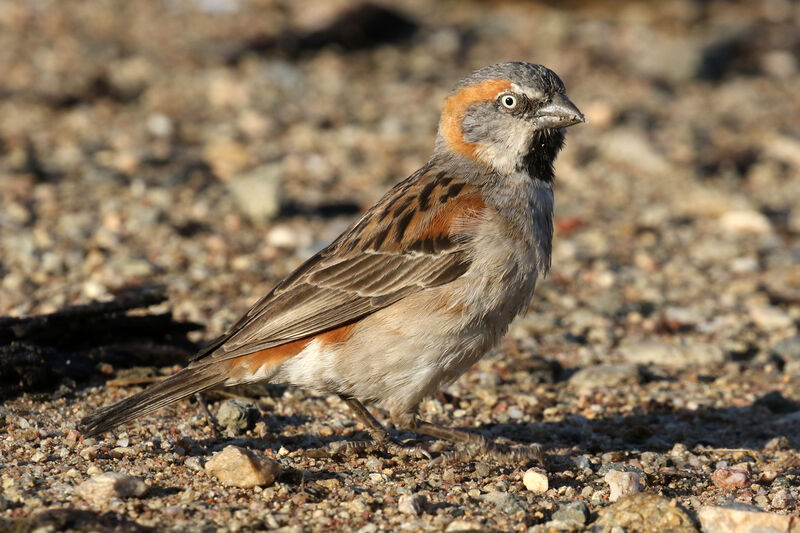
{"x": 341, "y": 284}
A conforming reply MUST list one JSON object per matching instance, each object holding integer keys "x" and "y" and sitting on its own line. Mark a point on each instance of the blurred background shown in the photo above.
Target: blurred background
{"x": 210, "y": 146}
{"x": 213, "y": 145}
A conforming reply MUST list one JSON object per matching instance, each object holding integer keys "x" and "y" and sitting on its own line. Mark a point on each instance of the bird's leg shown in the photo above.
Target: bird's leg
{"x": 381, "y": 440}
{"x": 215, "y": 427}
{"x": 471, "y": 445}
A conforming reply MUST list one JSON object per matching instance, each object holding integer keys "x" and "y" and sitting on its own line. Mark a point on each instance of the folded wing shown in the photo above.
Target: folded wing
{"x": 415, "y": 238}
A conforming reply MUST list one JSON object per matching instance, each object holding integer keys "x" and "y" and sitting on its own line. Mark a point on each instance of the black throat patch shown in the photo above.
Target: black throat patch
{"x": 541, "y": 155}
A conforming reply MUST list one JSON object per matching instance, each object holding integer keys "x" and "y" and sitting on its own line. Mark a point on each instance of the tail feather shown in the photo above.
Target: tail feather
{"x": 176, "y": 387}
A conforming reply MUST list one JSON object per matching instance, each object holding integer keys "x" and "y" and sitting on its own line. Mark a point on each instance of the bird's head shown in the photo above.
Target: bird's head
{"x": 509, "y": 116}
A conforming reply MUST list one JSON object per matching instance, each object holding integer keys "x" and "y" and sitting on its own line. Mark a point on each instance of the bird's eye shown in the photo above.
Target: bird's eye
{"x": 509, "y": 101}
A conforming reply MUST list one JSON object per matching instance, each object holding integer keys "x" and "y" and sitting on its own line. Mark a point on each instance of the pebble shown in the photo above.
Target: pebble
{"x": 535, "y": 480}
{"x": 571, "y": 516}
{"x": 413, "y": 504}
{"x": 282, "y": 236}
{"x": 240, "y": 467}
{"x": 606, "y": 375}
{"x": 238, "y": 415}
{"x": 741, "y": 518}
{"x": 745, "y": 221}
{"x": 771, "y": 318}
{"x": 730, "y": 478}
{"x": 782, "y": 499}
{"x": 780, "y": 442}
{"x": 788, "y": 349}
{"x": 672, "y": 355}
{"x": 622, "y": 483}
{"x": 102, "y": 487}
{"x": 506, "y": 502}
{"x": 194, "y": 463}
{"x": 39, "y": 457}
{"x": 226, "y": 157}
{"x": 645, "y": 512}
{"x": 89, "y": 453}
{"x": 463, "y": 525}
{"x": 258, "y": 193}
{"x": 159, "y": 125}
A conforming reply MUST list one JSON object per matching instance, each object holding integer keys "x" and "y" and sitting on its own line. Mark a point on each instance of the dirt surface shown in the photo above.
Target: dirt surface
{"x": 213, "y": 145}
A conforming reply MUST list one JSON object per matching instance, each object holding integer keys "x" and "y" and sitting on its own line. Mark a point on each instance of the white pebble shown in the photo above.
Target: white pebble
{"x": 103, "y": 487}
{"x": 239, "y": 467}
{"x": 535, "y": 480}
{"x": 412, "y": 504}
{"x": 622, "y": 483}
{"x": 745, "y": 221}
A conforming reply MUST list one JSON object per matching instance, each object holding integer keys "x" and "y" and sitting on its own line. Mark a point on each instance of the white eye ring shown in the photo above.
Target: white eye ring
{"x": 509, "y": 101}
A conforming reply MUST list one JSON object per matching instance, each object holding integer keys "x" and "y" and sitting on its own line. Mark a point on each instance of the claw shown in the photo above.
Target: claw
{"x": 501, "y": 453}
{"x": 351, "y": 447}
{"x": 417, "y": 451}
{"x": 379, "y": 445}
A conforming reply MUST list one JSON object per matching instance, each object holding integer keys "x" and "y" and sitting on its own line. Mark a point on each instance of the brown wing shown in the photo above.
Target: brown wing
{"x": 411, "y": 240}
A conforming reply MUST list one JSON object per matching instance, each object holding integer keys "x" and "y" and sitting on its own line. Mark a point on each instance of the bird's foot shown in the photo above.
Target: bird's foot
{"x": 380, "y": 443}
{"x": 500, "y": 453}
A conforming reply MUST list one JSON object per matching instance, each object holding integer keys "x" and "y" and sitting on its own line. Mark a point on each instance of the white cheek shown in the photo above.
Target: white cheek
{"x": 505, "y": 155}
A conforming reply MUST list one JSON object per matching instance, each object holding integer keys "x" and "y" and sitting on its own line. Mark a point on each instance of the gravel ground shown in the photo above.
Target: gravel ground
{"x": 176, "y": 142}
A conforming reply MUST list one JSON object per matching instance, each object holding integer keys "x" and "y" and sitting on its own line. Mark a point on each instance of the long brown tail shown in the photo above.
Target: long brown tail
{"x": 176, "y": 387}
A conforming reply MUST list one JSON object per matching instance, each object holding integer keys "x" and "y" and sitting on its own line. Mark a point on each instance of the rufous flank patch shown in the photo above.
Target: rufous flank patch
{"x": 276, "y": 355}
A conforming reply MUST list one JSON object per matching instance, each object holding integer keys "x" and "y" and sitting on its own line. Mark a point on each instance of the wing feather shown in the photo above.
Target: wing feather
{"x": 374, "y": 264}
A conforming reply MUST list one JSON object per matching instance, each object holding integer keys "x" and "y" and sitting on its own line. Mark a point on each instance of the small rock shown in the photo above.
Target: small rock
{"x": 194, "y": 463}
{"x": 778, "y": 443}
{"x": 645, "y": 512}
{"x": 682, "y": 316}
{"x": 413, "y": 504}
{"x": 581, "y": 461}
{"x": 626, "y": 146}
{"x": 238, "y": 415}
{"x": 462, "y": 525}
{"x": 771, "y": 318}
{"x": 239, "y": 467}
{"x": 258, "y": 193}
{"x": 38, "y": 457}
{"x": 783, "y": 499}
{"x": 505, "y": 502}
{"x": 159, "y": 125}
{"x": 788, "y": 349}
{"x": 535, "y": 480}
{"x": 740, "y": 518}
{"x": 571, "y": 515}
{"x": 672, "y": 355}
{"x": 606, "y": 375}
{"x": 102, "y": 487}
{"x": 89, "y": 453}
{"x": 730, "y": 478}
{"x": 779, "y": 64}
{"x": 745, "y": 221}
{"x": 226, "y": 157}
{"x": 622, "y": 483}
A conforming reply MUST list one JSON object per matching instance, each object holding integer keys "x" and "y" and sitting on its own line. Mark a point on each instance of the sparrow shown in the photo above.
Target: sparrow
{"x": 419, "y": 288}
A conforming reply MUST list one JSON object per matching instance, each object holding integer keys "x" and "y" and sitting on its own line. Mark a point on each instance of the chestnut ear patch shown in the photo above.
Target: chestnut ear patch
{"x": 455, "y": 107}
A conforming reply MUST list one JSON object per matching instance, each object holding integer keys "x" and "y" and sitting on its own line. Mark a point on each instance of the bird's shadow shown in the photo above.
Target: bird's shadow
{"x": 657, "y": 429}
